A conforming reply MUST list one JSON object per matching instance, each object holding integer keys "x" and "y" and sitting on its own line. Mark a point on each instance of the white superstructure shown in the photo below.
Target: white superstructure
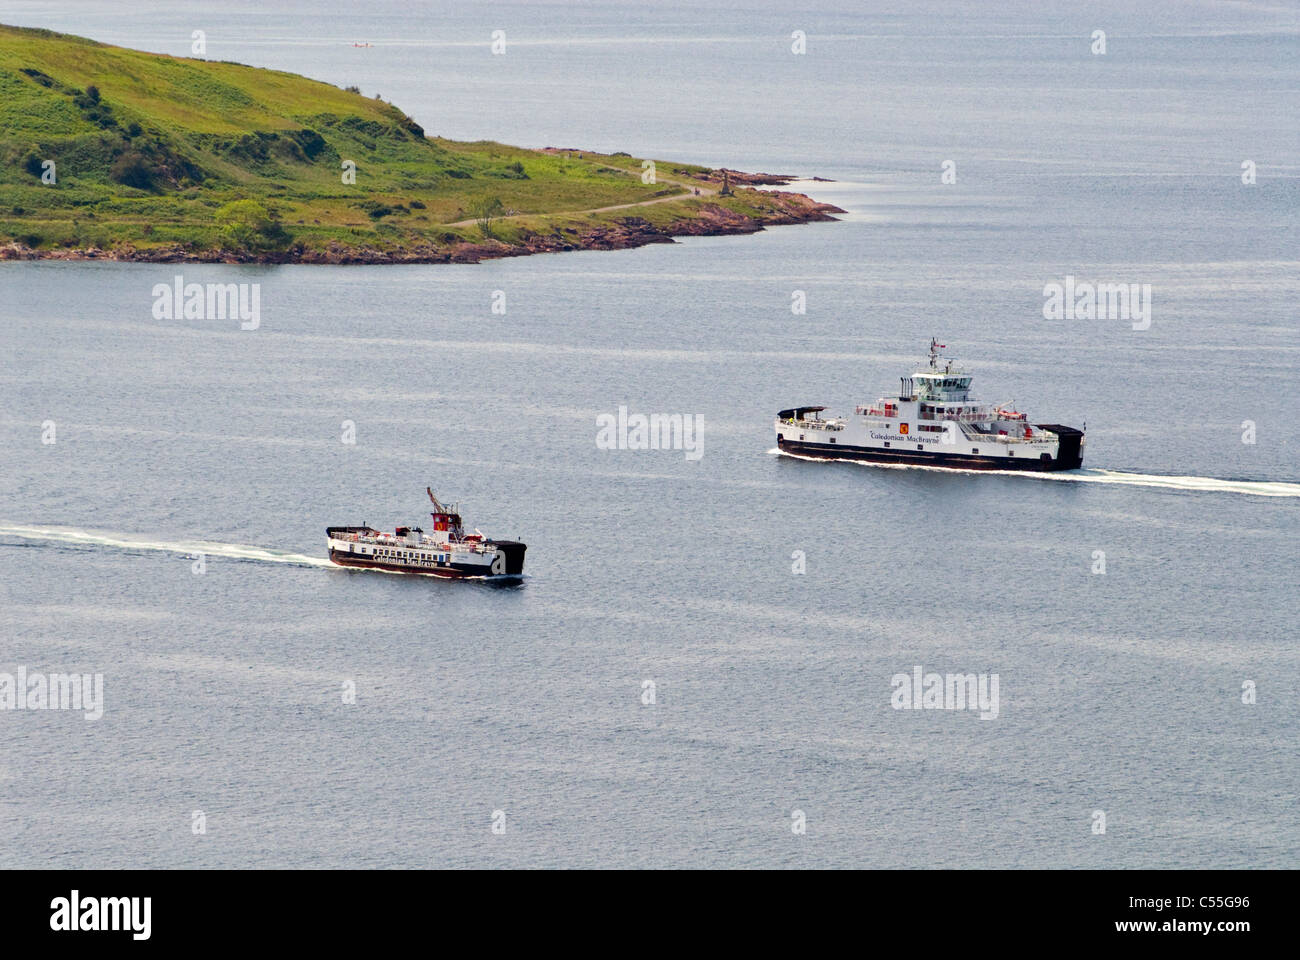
{"x": 933, "y": 421}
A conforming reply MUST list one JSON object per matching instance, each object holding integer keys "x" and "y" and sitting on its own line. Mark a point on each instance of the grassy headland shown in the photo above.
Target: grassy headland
{"x": 115, "y": 153}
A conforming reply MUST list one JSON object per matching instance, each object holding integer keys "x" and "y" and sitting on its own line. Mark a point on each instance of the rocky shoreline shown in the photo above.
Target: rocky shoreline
{"x": 622, "y": 234}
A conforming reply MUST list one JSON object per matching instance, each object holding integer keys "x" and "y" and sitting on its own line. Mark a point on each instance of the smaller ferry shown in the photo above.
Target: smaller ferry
{"x": 448, "y": 552}
{"x": 933, "y": 422}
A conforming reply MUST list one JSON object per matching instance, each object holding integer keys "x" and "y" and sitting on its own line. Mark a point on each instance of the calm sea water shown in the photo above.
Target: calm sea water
{"x": 1119, "y": 692}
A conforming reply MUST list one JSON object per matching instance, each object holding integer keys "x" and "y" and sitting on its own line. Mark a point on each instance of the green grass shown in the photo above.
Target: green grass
{"x": 164, "y": 152}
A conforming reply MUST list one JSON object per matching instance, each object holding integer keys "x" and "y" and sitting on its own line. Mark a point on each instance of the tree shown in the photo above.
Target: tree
{"x": 248, "y": 225}
{"x": 485, "y": 210}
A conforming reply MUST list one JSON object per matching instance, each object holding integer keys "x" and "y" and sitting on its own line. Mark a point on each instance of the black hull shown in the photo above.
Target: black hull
{"x": 514, "y": 554}
{"x": 935, "y": 458}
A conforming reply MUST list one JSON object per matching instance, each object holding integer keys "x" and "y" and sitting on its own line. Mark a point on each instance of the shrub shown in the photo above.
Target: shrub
{"x": 43, "y": 79}
{"x": 411, "y": 126}
{"x": 511, "y": 171}
{"x": 311, "y": 142}
{"x": 132, "y": 170}
{"x": 248, "y": 225}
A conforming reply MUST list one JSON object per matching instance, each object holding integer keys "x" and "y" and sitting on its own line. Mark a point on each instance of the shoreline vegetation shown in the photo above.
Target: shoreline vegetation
{"x": 115, "y": 154}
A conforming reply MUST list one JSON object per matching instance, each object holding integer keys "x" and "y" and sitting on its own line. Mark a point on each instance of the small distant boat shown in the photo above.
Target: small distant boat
{"x": 448, "y": 552}
{"x": 363, "y": 44}
{"x": 932, "y": 422}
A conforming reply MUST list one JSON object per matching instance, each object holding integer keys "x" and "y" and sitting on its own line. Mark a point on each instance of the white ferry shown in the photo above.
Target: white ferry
{"x": 932, "y": 422}
{"x": 449, "y": 552}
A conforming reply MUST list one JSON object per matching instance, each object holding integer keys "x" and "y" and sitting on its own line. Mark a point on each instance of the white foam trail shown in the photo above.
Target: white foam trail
{"x": 234, "y": 551}
{"x": 1257, "y": 488}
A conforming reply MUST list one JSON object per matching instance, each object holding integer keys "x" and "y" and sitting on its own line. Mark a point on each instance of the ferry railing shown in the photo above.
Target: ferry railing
{"x": 815, "y": 424}
{"x": 394, "y": 543}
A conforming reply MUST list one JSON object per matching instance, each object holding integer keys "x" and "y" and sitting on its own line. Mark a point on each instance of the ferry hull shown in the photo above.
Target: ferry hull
{"x": 1067, "y": 459}
{"x": 451, "y": 571}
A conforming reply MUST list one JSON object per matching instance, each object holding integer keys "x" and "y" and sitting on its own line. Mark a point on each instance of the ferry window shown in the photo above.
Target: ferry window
{"x": 832, "y": 439}
{"x": 974, "y": 449}
{"x": 920, "y": 446}
{"x": 886, "y": 443}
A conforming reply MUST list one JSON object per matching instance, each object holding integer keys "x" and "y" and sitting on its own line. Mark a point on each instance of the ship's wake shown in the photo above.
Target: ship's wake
{"x": 1257, "y": 488}
{"x": 190, "y": 548}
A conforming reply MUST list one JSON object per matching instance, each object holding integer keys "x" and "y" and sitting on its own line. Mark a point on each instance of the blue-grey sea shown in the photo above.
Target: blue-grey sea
{"x": 1140, "y": 616}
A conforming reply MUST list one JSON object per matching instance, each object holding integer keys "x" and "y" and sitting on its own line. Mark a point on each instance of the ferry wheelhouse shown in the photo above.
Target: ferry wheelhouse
{"x": 934, "y": 421}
